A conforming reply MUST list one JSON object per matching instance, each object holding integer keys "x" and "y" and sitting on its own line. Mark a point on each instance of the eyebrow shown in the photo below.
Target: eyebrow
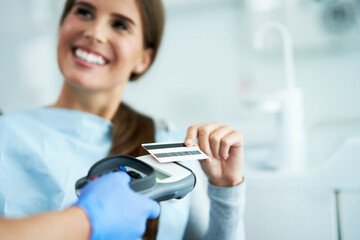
{"x": 124, "y": 18}
{"x": 85, "y": 4}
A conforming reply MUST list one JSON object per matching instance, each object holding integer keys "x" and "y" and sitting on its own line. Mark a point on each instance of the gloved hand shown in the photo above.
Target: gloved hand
{"x": 114, "y": 209}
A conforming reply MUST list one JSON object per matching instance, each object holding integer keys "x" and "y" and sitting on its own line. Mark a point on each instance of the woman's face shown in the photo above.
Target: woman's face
{"x": 101, "y": 44}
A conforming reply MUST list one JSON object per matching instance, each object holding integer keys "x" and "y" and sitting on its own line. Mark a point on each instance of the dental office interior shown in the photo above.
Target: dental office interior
{"x": 286, "y": 73}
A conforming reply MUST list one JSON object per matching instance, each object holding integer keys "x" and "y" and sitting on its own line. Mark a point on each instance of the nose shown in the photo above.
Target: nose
{"x": 95, "y": 33}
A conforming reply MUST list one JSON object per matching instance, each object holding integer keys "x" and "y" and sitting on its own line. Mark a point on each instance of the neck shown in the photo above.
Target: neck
{"x": 102, "y": 103}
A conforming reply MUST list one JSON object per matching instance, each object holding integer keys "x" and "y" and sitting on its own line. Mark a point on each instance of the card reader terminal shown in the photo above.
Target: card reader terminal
{"x": 158, "y": 181}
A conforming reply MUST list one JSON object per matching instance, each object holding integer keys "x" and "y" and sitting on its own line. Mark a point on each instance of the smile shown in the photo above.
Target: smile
{"x": 89, "y": 57}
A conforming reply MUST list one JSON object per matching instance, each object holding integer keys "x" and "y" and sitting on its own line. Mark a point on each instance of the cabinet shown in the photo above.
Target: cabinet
{"x": 290, "y": 214}
{"x": 349, "y": 208}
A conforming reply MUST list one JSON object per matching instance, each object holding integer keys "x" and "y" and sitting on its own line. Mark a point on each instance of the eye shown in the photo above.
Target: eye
{"x": 119, "y": 25}
{"x": 85, "y": 13}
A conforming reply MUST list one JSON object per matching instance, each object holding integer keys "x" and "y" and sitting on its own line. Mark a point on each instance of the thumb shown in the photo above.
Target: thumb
{"x": 122, "y": 177}
{"x": 154, "y": 209}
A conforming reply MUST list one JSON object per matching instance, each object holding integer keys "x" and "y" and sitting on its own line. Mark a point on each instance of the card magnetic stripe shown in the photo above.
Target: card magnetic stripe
{"x": 162, "y": 146}
{"x": 177, "y": 154}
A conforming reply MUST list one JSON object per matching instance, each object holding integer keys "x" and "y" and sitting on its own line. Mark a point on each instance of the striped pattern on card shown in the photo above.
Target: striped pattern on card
{"x": 174, "y": 152}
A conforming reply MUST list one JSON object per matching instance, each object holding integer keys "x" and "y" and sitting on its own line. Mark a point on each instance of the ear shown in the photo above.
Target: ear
{"x": 144, "y": 62}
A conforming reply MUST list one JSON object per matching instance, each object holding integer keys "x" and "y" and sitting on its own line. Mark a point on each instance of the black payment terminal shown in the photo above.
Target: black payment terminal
{"x": 158, "y": 181}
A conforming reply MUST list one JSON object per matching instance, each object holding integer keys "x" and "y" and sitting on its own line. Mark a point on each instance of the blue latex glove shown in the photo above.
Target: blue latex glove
{"x": 114, "y": 209}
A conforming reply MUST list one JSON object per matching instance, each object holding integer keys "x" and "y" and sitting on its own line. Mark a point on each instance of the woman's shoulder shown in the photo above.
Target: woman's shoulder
{"x": 52, "y": 117}
{"x": 30, "y": 112}
{"x": 24, "y": 118}
{"x": 15, "y": 116}
{"x": 18, "y": 127}
{"x": 24, "y": 121}
{"x": 18, "y": 123}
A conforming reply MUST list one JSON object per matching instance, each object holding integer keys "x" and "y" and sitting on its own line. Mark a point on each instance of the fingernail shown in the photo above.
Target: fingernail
{"x": 188, "y": 142}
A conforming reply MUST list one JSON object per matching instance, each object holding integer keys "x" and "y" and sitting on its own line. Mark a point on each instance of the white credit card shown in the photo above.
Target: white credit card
{"x": 174, "y": 152}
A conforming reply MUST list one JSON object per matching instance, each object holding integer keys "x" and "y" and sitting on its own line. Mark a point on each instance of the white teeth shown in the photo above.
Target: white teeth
{"x": 89, "y": 57}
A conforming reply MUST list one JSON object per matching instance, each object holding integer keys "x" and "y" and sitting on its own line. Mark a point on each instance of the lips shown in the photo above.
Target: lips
{"x": 89, "y": 56}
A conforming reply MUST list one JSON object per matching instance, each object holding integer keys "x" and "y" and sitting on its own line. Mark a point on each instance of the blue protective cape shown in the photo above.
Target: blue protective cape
{"x": 42, "y": 153}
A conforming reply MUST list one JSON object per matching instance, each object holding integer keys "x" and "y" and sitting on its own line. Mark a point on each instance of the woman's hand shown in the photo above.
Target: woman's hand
{"x": 224, "y": 146}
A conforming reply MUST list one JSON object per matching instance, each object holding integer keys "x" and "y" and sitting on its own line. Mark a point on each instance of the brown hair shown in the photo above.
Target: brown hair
{"x": 131, "y": 128}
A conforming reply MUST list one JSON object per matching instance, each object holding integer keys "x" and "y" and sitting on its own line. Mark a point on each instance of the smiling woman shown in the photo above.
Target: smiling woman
{"x": 102, "y": 46}
{"x": 107, "y": 41}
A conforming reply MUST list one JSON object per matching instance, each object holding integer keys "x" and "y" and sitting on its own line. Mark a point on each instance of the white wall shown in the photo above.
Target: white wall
{"x": 28, "y": 68}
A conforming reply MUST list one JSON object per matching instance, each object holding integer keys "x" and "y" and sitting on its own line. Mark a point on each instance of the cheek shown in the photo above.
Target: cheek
{"x": 65, "y": 33}
{"x": 61, "y": 52}
{"x": 64, "y": 57}
{"x": 128, "y": 53}
{"x": 68, "y": 30}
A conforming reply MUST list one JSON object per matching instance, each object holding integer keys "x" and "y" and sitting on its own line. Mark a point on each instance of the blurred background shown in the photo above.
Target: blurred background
{"x": 286, "y": 73}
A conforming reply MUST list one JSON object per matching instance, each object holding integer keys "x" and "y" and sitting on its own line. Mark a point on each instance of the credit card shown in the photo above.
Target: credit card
{"x": 174, "y": 152}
